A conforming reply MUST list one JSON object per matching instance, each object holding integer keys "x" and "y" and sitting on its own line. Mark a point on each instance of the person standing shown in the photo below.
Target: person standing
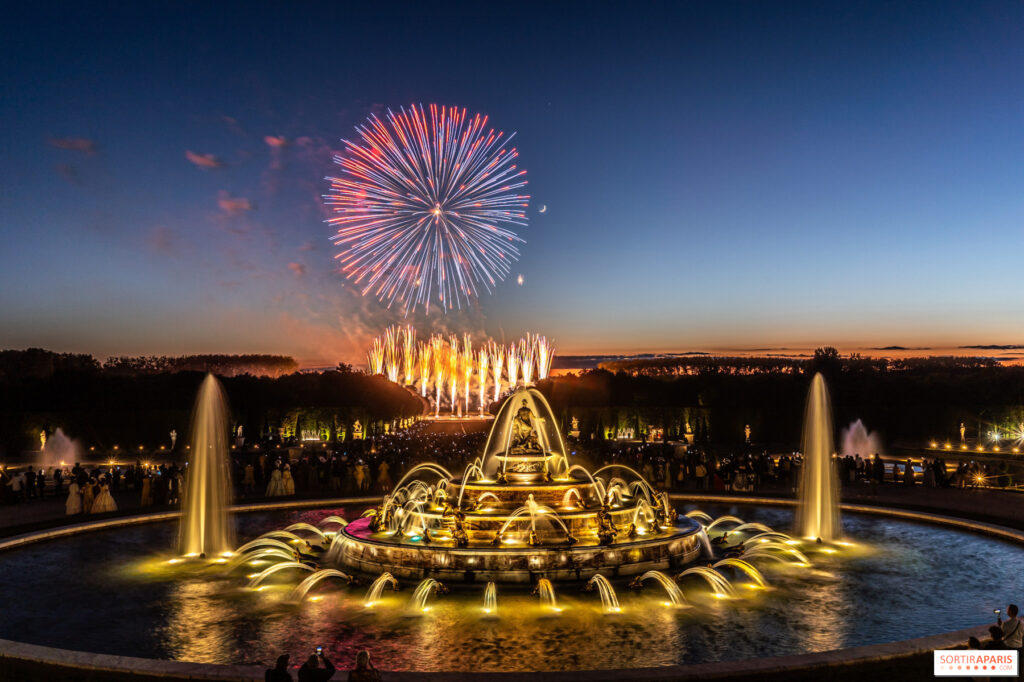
{"x": 88, "y": 495}
{"x": 249, "y": 479}
{"x": 104, "y": 501}
{"x": 316, "y": 669}
{"x": 1013, "y": 629}
{"x": 287, "y": 482}
{"x": 30, "y": 482}
{"x": 364, "y": 670}
{"x": 58, "y": 481}
{"x": 73, "y": 506}
{"x": 279, "y": 673}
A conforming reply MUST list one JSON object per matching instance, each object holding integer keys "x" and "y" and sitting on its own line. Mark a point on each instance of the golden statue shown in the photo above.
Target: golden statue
{"x": 524, "y": 435}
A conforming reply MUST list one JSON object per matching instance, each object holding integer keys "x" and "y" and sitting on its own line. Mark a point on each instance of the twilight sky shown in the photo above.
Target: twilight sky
{"x": 717, "y": 175}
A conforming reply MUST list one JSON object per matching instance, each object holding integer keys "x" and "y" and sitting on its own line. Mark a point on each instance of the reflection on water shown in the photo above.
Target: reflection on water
{"x": 120, "y": 598}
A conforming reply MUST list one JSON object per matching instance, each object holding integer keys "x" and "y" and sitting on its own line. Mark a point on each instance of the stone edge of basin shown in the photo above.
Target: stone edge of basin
{"x": 56, "y": 662}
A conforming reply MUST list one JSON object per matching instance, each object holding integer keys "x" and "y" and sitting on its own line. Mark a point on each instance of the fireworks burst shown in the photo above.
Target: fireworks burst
{"x": 424, "y": 203}
{"x": 451, "y": 365}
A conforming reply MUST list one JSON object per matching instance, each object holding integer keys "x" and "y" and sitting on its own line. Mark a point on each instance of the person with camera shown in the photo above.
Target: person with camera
{"x": 1013, "y": 629}
{"x": 316, "y": 668}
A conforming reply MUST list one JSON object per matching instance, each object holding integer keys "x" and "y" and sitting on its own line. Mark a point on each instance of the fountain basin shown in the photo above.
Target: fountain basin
{"x": 518, "y": 563}
{"x": 877, "y": 598}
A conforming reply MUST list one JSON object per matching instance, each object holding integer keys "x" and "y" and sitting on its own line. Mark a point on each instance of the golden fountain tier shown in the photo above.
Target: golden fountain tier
{"x": 520, "y": 512}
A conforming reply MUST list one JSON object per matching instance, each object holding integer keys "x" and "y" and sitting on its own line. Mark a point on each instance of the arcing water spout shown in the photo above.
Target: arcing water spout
{"x": 675, "y": 595}
{"x": 609, "y": 602}
{"x": 373, "y": 594}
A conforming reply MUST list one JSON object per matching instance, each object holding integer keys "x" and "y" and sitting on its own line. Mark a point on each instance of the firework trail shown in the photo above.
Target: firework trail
{"x": 425, "y": 203}
{"x": 467, "y": 368}
{"x": 453, "y": 369}
{"x": 440, "y": 366}
{"x": 545, "y": 354}
{"x": 497, "y": 363}
{"x": 391, "y": 359}
{"x": 425, "y": 356}
{"x": 453, "y": 365}
{"x": 526, "y": 358}
{"x": 482, "y": 360}
{"x": 376, "y": 357}
{"x": 409, "y": 353}
{"x": 512, "y": 361}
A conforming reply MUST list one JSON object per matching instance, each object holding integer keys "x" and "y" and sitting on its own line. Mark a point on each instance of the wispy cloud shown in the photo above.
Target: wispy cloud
{"x": 74, "y": 144}
{"x": 298, "y": 268}
{"x": 203, "y": 160}
{"x": 233, "y": 206}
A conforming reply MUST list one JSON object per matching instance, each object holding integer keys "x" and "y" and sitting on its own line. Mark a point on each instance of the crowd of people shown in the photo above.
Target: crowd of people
{"x": 373, "y": 466}
{"x": 317, "y": 668}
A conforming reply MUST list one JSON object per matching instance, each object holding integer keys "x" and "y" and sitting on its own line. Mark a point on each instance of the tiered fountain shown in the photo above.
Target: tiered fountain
{"x": 519, "y": 512}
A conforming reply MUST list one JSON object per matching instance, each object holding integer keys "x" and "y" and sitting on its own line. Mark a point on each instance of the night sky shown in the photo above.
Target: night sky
{"x": 717, "y": 175}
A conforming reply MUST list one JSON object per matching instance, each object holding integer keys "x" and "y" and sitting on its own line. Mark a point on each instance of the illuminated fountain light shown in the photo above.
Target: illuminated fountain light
{"x": 546, "y": 592}
{"x": 333, "y": 520}
{"x": 675, "y": 595}
{"x": 720, "y": 587}
{"x": 777, "y": 551}
{"x": 260, "y": 556}
{"x": 747, "y": 568}
{"x": 418, "y": 602}
{"x": 609, "y": 602}
{"x": 302, "y": 588}
{"x": 699, "y": 516}
{"x": 373, "y": 594}
{"x": 306, "y": 527}
{"x": 491, "y": 599}
{"x": 276, "y": 568}
{"x": 205, "y": 528}
{"x": 724, "y": 519}
{"x": 817, "y": 513}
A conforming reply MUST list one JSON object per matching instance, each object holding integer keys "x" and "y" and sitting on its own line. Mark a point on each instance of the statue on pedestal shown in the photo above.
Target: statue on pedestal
{"x": 524, "y": 435}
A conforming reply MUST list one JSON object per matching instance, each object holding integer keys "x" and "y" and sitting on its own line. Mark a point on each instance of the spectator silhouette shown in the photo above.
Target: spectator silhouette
{"x": 279, "y": 673}
{"x": 316, "y": 669}
{"x": 364, "y": 670}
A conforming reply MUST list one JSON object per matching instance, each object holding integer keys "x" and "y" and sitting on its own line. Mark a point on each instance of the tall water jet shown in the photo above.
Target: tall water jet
{"x": 817, "y": 513}
{"x": 205, "y": 527}
{"x": 857, "y": 440}
{"x": 59, "y": 450}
